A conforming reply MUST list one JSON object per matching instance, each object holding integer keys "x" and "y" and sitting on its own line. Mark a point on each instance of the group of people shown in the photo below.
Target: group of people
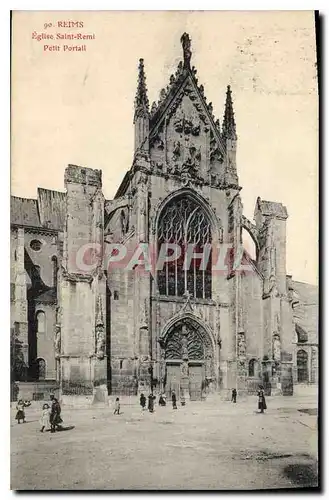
{"x": 50, "y": 417}
{"x": 261, "y": 398}
{"x": 162, "y": 401}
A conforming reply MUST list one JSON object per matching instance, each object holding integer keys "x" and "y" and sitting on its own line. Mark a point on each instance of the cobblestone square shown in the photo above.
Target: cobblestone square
{"x": 204, "y": 445}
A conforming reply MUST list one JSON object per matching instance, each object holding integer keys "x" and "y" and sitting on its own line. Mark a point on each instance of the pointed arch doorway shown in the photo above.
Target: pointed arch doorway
{"x": 188, "y": 359}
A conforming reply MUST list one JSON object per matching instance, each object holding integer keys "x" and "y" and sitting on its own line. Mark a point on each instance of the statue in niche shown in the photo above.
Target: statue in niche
{"x": 57, "y": 341}
{"x": 195, "y": 130}
{"x": 100, "y": 340}
{"x": 187, "y": 53}
{"x": 209, "y": 365}
{"x": 179, "y": 120}
{"x": 192, "y": 162}
{"x": 184, "y": 343}
{"x": 276, "y": 347}
{"x": 177, "y": 150}
{"x": 241, "y": 345}
{"x": 184, "y": 369}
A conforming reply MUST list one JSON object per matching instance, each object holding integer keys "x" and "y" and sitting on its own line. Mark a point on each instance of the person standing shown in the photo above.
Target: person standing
{"x": 234, "y": 394}
{"x": 20, "y": 415}
{"x": 174, "y": 400}
{"x": 44, "y": 420}
{"x": 55, "y": 414}
{"x": 142, "y": 401}
{"x": 117, "y": 407}
{"x": 261, "y": 399}
{"x": 151, "y": 403}
{"x": 162, "y": 401}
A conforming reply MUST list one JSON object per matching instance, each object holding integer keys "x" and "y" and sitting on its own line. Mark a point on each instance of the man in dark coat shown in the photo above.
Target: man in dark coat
{"x": 261, "y": 399}
{"x": 174, "y": 401}
{"x": 234, "y": 393}
{"x": 55, "y": 414}
{"x": 151, "y": 403}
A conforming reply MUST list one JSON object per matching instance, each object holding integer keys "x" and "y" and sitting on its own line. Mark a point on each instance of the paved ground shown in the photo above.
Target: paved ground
{"x": 205, "y": 445}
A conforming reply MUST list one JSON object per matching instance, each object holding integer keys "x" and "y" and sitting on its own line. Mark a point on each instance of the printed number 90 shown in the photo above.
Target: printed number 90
{"x": 47, "y": 25}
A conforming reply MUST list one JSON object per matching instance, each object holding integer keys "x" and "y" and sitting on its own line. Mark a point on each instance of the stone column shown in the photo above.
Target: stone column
{"x": 21, "y": 320}
{"x": 287, "y": 338}
{"x": 143, "y": 331}
{"x": 184, "y": 378}
{"x": 83, "y": 363}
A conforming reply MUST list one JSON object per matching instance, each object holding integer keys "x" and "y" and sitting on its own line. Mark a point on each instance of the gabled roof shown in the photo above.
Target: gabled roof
{"x": 185, "y": 80}
{"x": 270, "y": 208}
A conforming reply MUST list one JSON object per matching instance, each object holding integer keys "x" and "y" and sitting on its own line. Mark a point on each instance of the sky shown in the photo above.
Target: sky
{"x": 77, "y": 107}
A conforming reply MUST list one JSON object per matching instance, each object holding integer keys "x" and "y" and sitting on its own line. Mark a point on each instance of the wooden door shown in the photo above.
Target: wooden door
{"x": 172, "y": 379}
{"x": 196, "y": 378}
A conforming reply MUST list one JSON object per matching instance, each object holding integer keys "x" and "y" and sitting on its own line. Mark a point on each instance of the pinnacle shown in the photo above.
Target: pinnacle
{"x": 141, "y": 100}
{"x": 229, "y": 128}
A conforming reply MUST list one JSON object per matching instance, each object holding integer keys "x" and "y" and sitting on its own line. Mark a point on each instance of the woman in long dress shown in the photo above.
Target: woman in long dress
{"x": 20, "y": 415}
{"x": 174, "y": 400}
{"x": 261, "y": 399}
{"x": 44, "y": 420}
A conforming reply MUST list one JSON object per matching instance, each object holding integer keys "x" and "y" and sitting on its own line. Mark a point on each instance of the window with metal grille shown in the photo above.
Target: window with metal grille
{"x": 184, "y": 223}
{"x": 302, "y": 366}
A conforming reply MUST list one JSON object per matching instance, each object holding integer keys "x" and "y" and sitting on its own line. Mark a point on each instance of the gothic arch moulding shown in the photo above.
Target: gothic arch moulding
{"x": 215, "y": 222}
{"x": 190, "y": 320}
{"x": 186, "y": 337}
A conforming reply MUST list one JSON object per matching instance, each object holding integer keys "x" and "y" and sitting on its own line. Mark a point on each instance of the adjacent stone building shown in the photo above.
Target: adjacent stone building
{"x": 94, "y": 325}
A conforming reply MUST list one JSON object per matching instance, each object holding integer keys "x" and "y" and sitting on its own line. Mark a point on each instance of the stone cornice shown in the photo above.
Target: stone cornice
{"x": 35, "y": 229}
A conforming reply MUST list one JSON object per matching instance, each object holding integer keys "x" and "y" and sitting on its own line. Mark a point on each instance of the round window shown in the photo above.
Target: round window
{"x": 36, "y": 245}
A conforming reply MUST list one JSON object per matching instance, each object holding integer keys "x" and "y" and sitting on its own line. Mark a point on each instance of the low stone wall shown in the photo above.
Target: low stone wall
{"x": 37, "y": 391}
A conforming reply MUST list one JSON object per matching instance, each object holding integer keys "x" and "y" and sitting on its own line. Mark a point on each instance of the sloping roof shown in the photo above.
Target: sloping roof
{"x": 48, "y": 211}
{"x": 24, "y": 211}
{"x": 301, "y": 333}
{"x": 48, "y": 296}
{"x": 51, "y": 208}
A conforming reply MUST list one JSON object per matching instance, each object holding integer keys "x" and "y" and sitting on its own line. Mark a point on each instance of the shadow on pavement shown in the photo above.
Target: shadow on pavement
{"x": 60, "y": 429}
{"x": 303, "y": 475}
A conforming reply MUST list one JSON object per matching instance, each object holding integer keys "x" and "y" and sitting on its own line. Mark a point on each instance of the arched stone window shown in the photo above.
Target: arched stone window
{"x": 184, "y": 222}
{"x": 41, "y": 322}
{"x": 252, "y": 366}
{"x": 41, "y": 369}
{"x": 302, "y": 366}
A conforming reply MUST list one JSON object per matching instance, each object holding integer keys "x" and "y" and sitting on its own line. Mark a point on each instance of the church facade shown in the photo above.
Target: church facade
{"x": 152, "y": 290}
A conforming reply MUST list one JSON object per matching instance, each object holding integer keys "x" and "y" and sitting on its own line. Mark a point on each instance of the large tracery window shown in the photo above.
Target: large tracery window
{"x": 184, "y": 223}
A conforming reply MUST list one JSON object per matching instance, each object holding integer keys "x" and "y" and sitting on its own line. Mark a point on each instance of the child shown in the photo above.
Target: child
{"x": 44, "y": 420}
{"x": 117, "y": 406}
{"x": 142, "y": 401}
{"x": 20, "y": 415}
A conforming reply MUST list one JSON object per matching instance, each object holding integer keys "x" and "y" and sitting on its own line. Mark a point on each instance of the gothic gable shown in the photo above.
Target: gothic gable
{"x": 184, "y": 139}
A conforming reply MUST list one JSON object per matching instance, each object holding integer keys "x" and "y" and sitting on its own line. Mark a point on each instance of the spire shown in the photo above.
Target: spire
{"x": 187, "y": 53}
{"x": 141, "y": 100}
{"x": 228, "y": 127}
